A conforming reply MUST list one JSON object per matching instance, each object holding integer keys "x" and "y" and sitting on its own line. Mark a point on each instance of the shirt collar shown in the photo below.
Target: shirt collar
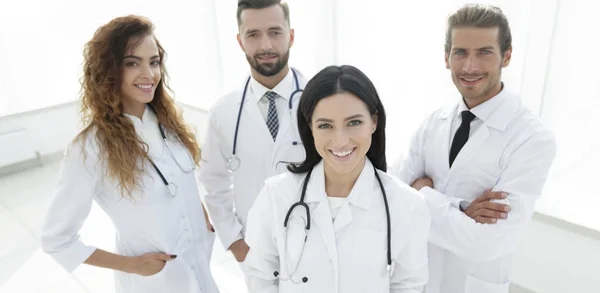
{"x": 493, "y": 112}
{"x": 361, "y": 194}
{"x": 284, "y": 88}
{"x": 147, "y": 118}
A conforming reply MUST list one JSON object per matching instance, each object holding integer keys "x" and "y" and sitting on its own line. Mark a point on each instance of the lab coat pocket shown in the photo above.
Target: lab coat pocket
{"x": 475, "y": 183}
{"x": 152, "y": 283}
{"x": 176, "y": 276}
{"x": 475, "y": 285}
{"x": 295, "y": 153}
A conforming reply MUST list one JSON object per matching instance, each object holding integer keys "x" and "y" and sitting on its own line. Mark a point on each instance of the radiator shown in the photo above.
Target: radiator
{"x": 17, "y": 146}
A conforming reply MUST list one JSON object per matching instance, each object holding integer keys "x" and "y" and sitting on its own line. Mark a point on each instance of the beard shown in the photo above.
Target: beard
{"x": 269, "y": 69}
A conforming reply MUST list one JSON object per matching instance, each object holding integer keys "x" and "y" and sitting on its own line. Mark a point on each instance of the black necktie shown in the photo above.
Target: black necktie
{"x": 462, "y": 135}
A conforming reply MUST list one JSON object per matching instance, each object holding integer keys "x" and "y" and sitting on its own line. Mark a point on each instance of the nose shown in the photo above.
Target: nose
{"x": 340, "y": 138}
{"x": 148, "y": 72}
{"x": 265, "y": 43}
{"x": 471, "y": 65}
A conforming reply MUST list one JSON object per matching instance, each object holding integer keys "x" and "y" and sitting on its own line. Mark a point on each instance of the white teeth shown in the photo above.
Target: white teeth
{"x": 342, "y": 154}
{"x": 144, "y": 86}
{"x": 471, "y": 80}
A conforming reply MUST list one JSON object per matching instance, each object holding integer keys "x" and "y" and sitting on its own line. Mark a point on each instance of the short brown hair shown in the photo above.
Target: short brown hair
{"x": 480, "y": 16}
{"x": 259, "y": 4}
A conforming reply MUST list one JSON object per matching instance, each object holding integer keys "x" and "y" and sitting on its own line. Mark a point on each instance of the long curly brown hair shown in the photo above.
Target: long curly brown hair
{"x": 102, "y": 107}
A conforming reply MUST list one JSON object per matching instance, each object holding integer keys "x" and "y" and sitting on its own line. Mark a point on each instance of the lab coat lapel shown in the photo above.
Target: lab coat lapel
{"x": 323, "y": 223}
{"x": 343, "y": 219}
{"x": 443, "y": 138}
{"x": 474, "y": 143}
{"x": 284, "y": 123}
{"x": 360, "y": 196}
{"x": 285, "y": 118}
{"x": 251, "y": 108}
{"x": 321, "y": 215}
{"x": 497, "y": 120}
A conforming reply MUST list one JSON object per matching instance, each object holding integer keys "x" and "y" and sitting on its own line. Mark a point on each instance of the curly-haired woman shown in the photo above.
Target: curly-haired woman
{"x": 135, "y": 158}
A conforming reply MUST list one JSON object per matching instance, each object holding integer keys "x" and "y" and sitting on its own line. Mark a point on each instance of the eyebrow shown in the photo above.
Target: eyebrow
{"x": 347, "y": 118}
{"x": 273, "y": 28}
{"x": 140, "y": 58}
{"x": 479, "y": 49}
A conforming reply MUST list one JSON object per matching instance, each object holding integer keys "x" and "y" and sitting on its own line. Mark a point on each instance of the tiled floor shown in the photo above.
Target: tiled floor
{"x": 24, "y": 268}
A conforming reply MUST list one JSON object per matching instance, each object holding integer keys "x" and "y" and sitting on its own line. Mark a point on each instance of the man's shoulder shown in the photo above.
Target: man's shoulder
{"x": 227, "y": 99}
{"x": 528, "y": 123}
{"x": 432, "y": 119}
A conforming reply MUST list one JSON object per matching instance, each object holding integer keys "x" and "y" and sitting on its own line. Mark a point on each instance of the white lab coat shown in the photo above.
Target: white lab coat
{"x": 230, "y": 195}
{"x": 210, "y": 237}
{"x": 154, "y": 222}
{"x": 512, "y": 152}
{"x": 348, "y": 255}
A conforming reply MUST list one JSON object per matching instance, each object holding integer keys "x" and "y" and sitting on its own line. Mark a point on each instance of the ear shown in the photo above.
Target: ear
{"x": 506, "y": 57}
{"x": 374, "y": 120}
{"x": 446, "y": 56}
{"x": 292, "y": 33}
{"x": 239, "y": 39}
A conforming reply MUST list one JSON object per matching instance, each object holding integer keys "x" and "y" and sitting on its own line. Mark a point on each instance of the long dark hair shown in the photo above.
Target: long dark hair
{"x": 330, "y": 81}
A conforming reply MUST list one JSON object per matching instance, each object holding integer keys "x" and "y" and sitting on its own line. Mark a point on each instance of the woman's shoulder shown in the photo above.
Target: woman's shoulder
{"x": 401, "y": 194}
{"x": 279, "y": 190}
{"x": 285, "y": 181}
{"x": 285, "y": 186}
{"x": 84, "y": 143}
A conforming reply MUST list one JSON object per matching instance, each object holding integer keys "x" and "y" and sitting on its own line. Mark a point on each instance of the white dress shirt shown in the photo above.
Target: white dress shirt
{"x": 482, "y": 112}
{"x": 282, "y": 89}
{"x": 335, "y": 204}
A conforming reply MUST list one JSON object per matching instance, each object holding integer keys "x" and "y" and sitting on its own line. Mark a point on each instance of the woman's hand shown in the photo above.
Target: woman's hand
{"x": 149, "y": 263}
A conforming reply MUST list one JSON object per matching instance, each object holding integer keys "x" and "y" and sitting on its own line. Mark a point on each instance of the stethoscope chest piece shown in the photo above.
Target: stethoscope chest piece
{"x": 391, "y": 268}
{"x": 234, "y": 163}
{"x": 172, "y": 189}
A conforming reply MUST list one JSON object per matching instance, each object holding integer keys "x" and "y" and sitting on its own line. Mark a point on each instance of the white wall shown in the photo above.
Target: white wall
{"x": 555, "y": 257}
{"x": 198, "y": 118}
{"x": 45, "y": 132}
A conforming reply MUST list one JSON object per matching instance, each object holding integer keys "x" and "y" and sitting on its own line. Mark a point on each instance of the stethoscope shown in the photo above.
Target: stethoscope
{"x": 172, "y": 187}
{"x": 234, "y": 162}
{"x": 390, "y": 266}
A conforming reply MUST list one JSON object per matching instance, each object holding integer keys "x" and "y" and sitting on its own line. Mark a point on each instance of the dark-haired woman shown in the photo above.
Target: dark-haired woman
{"x": 337, "y": 222}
